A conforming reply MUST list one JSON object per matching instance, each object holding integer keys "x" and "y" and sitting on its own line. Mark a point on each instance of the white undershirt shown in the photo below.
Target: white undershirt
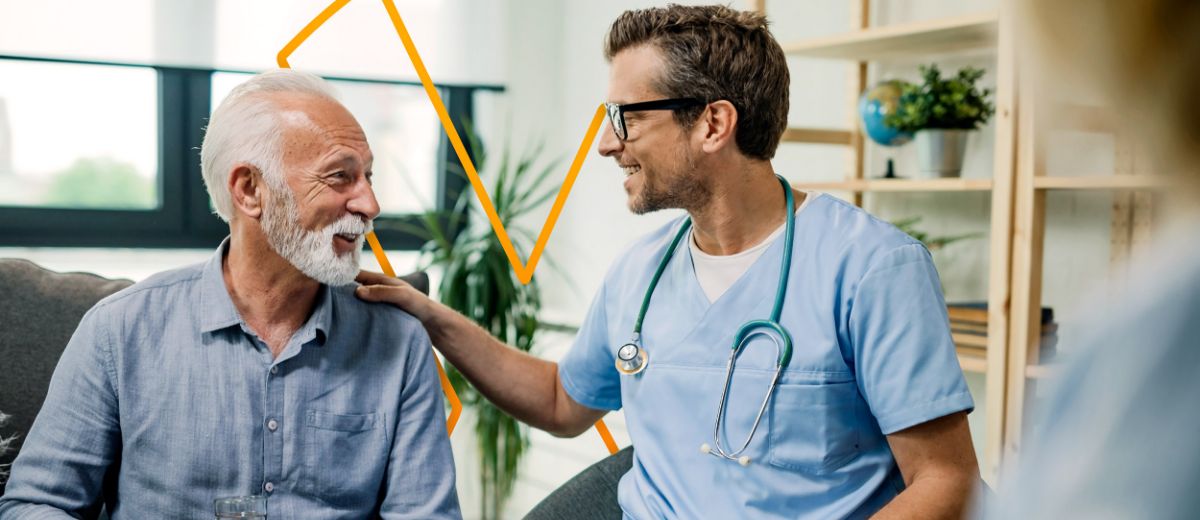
{"x": 718, "y": 273}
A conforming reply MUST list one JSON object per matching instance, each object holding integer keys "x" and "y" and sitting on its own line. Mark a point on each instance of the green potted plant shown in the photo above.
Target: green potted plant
{"x": 478, "y": 281}
{"x": 941, "y": 112}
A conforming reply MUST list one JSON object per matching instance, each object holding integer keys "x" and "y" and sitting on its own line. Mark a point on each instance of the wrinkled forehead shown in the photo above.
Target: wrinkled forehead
{"x": 313, "y": 128}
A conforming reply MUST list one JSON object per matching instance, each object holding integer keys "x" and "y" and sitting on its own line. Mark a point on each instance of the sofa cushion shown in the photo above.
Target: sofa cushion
{"x": 39, "y": 310}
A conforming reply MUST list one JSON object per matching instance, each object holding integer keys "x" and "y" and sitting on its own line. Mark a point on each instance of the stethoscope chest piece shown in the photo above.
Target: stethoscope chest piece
{"x": 631, "y": 359}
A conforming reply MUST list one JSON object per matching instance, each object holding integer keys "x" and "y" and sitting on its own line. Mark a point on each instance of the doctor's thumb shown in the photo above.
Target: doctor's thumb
{"x": 382, "y": 294}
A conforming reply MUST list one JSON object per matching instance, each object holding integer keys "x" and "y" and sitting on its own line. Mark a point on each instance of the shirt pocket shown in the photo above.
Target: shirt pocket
{"x": 345, "y": 456}
{"x": 814, "y": 426}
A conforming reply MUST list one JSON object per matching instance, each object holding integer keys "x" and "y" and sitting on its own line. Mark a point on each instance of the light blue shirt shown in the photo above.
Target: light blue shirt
{"x": 872, "y": 356}
{"x": 165, "y": 400}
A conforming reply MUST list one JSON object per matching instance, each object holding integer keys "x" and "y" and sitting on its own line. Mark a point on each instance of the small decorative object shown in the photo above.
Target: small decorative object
{"x": 874, "y": 106}
{"x": 941, "y": 112}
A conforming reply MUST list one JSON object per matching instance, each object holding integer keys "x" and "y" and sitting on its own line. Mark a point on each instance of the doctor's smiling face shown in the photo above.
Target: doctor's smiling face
{"x": 658, "y": 155}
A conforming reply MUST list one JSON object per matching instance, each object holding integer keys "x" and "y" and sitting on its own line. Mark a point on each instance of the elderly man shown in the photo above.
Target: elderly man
{"x": 258, "y": 371}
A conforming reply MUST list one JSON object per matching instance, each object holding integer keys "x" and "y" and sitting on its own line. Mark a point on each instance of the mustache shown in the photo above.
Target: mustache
{"x": 350, "y": 225}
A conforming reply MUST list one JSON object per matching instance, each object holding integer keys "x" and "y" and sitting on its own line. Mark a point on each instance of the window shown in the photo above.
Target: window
{"x": 65, "y": 145}
{"x": 107, "y": 155}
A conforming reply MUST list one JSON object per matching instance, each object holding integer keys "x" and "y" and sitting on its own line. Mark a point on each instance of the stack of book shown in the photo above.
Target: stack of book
{"x": 969, "y": 328}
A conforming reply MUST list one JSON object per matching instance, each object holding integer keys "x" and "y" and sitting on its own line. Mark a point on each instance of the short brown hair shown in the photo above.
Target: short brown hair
{"x": 714, "y": 53}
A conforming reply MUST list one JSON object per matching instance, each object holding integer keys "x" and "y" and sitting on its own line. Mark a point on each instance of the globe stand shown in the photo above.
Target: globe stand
{"x": 890, "y": 173}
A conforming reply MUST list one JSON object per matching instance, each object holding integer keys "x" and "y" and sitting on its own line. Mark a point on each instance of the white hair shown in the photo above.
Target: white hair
{"x": 246, "y": 128}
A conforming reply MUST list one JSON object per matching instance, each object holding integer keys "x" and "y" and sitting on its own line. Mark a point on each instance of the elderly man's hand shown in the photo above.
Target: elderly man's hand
{"x": 378, "y": 287}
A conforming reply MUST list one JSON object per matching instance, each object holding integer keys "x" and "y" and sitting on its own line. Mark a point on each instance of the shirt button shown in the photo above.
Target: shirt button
{"x": 268, "y": 487}
{"x": 272, "y": 425}
{"x": 275, "y": 369}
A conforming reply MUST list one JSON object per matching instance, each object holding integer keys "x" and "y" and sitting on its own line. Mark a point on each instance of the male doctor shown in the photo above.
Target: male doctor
{"x": 845, "y": 399}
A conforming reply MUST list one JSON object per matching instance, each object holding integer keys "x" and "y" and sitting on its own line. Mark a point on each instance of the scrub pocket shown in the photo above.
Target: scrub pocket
{"x": 344, "y": 456}
{"x": 813, "y": 426}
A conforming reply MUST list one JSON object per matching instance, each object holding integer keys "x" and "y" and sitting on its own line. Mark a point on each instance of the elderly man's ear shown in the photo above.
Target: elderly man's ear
{"x": 246, "y": 187}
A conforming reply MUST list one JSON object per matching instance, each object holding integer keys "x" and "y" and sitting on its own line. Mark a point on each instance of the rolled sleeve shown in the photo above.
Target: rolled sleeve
{"x": 907, "y": 366}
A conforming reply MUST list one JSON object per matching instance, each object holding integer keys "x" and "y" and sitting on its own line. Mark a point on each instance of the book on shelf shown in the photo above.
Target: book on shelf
{"x": 981, "y": 329}
{"x": 969, "y": 324}
{"x": 977, "y": 312}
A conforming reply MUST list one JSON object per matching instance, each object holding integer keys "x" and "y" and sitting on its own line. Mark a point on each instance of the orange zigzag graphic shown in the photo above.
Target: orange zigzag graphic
{"x": 523, "y": 271}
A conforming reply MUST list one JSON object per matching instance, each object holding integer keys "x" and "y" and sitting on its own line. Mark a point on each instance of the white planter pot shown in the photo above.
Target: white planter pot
{"x": 940, "y": 152}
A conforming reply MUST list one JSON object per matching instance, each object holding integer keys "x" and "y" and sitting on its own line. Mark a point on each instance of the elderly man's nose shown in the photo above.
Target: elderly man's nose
{"x": 363, "y": 202}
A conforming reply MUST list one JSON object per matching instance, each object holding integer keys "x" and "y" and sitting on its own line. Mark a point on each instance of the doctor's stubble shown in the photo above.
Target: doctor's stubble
{"x": 682, "y": 187}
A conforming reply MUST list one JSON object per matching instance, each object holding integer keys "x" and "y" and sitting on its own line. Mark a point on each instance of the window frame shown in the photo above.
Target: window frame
{"x": 183, "y": 218}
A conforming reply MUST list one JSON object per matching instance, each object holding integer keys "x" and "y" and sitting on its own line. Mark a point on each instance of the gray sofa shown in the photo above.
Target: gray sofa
{"x": 39, "y": 310}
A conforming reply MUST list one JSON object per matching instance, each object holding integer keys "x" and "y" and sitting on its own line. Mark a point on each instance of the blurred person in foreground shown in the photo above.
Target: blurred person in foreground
{"x": 1119, "y": 431}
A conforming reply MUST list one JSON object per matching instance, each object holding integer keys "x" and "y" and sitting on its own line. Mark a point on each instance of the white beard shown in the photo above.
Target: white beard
{"x": 311, "y": 251}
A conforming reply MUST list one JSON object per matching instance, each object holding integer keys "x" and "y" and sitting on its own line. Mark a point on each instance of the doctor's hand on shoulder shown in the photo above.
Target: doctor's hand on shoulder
{"x": 381, "y": 288}
{"x": 491, "y": 366}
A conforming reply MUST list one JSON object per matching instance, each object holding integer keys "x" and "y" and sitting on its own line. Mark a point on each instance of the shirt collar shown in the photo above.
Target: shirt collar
{"x": 218, "y": 312}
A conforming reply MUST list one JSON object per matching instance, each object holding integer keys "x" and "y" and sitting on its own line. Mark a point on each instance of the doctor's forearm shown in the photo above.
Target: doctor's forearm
{"x": 520, "y": 384}
{"x": 932, "y": 498}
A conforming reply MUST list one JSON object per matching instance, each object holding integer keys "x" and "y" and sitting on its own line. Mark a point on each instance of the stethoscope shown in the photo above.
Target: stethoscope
{"x": 632, "y": 358}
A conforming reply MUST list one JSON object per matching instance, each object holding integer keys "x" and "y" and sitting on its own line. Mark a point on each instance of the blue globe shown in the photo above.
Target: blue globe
{"x": 875, "y": 104}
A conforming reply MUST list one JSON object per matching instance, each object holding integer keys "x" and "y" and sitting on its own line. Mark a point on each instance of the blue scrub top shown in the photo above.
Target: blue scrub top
{"x": 872, "y": 355}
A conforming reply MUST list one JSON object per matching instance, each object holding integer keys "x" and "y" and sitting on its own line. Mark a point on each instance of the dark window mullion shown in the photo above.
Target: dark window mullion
{"x": 173, "y": 96}
{"x": 198, "y": 216}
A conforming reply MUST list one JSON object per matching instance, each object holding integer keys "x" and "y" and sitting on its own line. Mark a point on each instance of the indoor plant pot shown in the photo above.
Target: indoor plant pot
{"x": 940, "y": 151}
{"x": 941, "y": 112}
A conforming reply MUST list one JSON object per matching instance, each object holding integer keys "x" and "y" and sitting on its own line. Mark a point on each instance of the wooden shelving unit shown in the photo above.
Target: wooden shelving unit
{"x": 1041, "y": 371}
{"x": 994, "y": 31}
{"x": 971, "y": 360}
{"x": 1101, "y": 182}
{"x": 1133, "y": 190}
{"x": 899, "y": 185}
{"x": 942, "y": 36}
{"x": 1009, "y": 353}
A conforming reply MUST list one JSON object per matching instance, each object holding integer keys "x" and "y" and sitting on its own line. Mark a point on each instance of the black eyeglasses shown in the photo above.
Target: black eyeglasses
{"x": 616, "y": 112}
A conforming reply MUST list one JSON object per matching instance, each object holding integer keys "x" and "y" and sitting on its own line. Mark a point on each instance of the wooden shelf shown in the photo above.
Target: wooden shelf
{"x": 1041, "y": 371}
{"x": 818, "y": 136}
{"x": 972, "y": 359}
{"x": 903, "y": 40}
{"x": 898, "y": 185}
{"x": 1100, "y": 182}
